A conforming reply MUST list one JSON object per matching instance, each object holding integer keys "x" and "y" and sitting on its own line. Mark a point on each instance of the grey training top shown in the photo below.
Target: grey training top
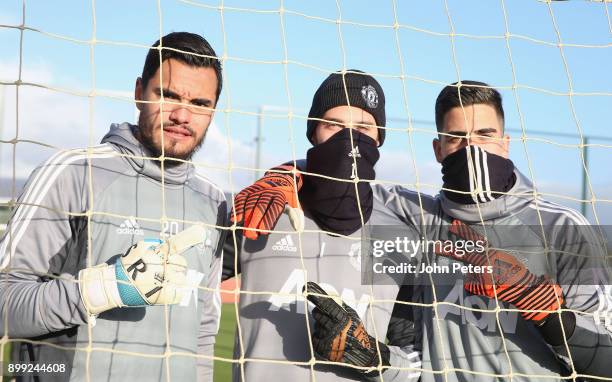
{"x": 463, "y": 338}
{"x": 273, "y": 335}
{"x": 65, "y": 222}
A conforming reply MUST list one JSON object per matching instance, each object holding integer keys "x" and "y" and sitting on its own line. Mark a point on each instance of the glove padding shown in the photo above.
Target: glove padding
{"x": 260, "y": 205}
{"x": 339, "y": 334}
{"x": 510, "y": 278}
{"x": 151, "y": 272}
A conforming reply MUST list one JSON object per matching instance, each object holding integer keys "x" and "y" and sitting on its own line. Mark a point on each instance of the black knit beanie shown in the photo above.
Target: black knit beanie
{"x": 363, "y": 92}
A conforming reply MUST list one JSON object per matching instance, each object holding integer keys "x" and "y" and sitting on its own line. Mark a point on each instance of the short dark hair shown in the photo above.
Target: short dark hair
{"x": 188, "y": 48}
{"x": 471, "y": 92}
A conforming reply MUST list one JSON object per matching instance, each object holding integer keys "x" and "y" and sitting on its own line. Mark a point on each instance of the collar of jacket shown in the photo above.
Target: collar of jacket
{"x": 521, "y": 194}
{"x": 122, "y": 137}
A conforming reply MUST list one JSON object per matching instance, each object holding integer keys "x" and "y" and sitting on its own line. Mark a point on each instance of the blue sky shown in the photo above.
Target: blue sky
{"x": 255, "y": 43}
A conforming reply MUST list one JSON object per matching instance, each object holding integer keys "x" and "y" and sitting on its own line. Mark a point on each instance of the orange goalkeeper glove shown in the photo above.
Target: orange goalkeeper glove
{"x": 260, "y": 205}
{"x": 535, "y": 296}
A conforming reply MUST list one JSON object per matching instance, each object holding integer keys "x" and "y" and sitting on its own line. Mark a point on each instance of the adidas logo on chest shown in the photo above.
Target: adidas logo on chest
{"x": 130, "y": 227}
{"x": 285, "y": 244}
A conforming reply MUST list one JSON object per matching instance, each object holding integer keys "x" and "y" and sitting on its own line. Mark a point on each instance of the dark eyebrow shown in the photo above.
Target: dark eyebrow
{"x": 201, "y": 102}
{"x": 166, "y": 92}
{"x": 195, "y": 101}
{"x": 486, "y": 130}
{"x": 455, "y": 133}
{"x": 340, "y": 122}
{"x": 364, "y": 123}
{"x": 334, "y": 120}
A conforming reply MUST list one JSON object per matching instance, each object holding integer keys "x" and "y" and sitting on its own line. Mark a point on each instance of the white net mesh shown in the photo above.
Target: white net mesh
{"x": 67, "y": 71}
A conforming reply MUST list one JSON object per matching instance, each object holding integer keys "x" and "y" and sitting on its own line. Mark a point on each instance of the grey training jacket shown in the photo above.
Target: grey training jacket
{"x": 463, "y": 338}
{"x": 82, "y": 208}
{"x": 273, "y": 334}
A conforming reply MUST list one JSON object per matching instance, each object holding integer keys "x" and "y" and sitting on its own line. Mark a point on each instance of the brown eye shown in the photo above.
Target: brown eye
{"x": 332, "y": 125}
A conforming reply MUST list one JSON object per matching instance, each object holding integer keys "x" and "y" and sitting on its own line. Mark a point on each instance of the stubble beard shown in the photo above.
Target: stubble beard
{"x": 145, "y": 136}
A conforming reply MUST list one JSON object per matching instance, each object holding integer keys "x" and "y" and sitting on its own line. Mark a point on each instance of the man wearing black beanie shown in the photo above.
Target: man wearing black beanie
{"x": 351, "y": 99}
{"x": 297, "y": 257}
{"x": 354, "y": 100}
{"x": 354, "y": 88}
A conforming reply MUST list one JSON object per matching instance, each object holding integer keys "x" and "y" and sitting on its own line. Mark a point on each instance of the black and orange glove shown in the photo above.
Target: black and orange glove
{"x": 339, "y": 334}
{"x": 535, "y": 296}
{"x": 260, "y": 205}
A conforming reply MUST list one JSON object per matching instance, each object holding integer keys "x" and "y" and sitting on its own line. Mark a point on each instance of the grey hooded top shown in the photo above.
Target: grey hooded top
{"x": 273, "y": 334}
{"x": 85, "y": 207}
{"x": 464, "y": 338}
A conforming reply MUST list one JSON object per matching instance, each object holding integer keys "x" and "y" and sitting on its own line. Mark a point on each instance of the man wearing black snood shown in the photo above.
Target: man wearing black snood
{"x": 318, "y": 253}
{"x": 339, "y": 205}
{"x": 475, "y": 169}
{"x": 336, "y": 205}
{"x": 542, "y": 310}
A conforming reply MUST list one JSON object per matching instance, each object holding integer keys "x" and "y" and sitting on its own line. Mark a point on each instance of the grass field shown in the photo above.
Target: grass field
{"x": 5, "y": 358}
{"x": 224, "y": 346}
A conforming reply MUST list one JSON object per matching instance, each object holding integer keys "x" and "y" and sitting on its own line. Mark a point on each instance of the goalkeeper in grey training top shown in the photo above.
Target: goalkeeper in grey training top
{"x": 275, "y": 334}
{"x": 548, "y": 273}
{"x": 111, "y": 258}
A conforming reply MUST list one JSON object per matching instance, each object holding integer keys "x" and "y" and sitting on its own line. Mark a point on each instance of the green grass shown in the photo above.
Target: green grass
{"x": 5, "y": 358}
{"x": 224, "y": 346}
{"x": 4, "y": 214}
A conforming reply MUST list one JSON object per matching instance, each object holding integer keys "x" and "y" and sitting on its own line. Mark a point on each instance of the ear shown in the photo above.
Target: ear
{"x": 437, "y": 148}
{"x": 506, "y": 145}
{"x": 214, "y": 107}
{"x": 138, "y": 90}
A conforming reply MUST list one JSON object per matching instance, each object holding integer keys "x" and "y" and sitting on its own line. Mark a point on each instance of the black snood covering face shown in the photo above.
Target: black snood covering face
{"x": 333, "y": 203}
{"x": 488, "y": 173}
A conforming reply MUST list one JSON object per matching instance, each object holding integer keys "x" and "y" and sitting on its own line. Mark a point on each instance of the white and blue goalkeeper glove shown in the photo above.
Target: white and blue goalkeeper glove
{"x": 152, "y": 272}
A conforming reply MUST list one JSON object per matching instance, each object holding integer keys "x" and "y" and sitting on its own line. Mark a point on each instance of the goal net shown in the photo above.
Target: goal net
{"x": 68, "y": 69}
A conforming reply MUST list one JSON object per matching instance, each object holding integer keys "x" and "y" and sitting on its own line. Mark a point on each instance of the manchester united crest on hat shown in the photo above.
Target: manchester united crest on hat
{"x": 370, "y": 96}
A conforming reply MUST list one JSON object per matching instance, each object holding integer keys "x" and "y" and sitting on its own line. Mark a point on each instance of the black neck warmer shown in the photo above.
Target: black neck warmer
{"x": 332, "y": 203}
{"x": 484, "y": 175}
